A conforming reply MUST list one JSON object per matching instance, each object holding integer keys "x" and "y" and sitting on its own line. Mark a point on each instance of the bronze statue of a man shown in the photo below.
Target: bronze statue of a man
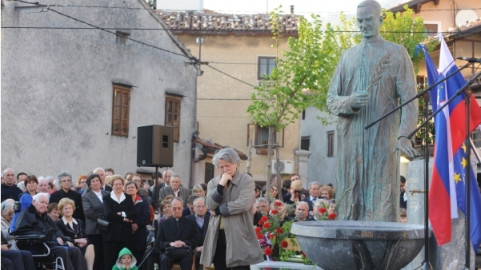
{"x": 370, "y": 80}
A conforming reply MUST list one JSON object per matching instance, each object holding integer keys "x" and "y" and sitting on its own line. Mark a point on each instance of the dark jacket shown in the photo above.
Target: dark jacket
{"x": 309, "y": 202}
{"x": 156, "y": 194}
{"x": 188, "y": 232}
{"x": 11, "y": 192}
{"x": 119, "y": 230}
{"x": 202, "y": 229}
{"x": 60, "y": 194}
{"x": 139, "y": 240}
{"x": 77, "y": 232}
{"x": 30, "y": 222}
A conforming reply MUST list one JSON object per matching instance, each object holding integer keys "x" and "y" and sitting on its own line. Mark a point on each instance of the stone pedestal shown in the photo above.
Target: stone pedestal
{"x": 450, "y": 256}
{"x": 349, "y": 244}
{"x": 415, "y": 196}
{"x": 282, "y": 265}
{"x": 303, "y": 158}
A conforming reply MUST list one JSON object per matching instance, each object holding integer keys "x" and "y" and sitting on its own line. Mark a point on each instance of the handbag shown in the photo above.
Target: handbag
{"x": 178, "y": 252}
{"x": 103, "y": 224}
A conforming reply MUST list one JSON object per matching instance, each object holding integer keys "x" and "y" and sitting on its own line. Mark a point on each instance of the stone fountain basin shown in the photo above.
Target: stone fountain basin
{"x": 349, "y": 244}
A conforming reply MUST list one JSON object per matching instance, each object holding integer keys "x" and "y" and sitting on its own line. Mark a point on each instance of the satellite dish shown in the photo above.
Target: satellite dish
{"x": 465, "y": 16}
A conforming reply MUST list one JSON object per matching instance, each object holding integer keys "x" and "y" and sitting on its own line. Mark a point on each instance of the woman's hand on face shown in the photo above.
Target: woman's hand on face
{"x": 225, "y": 178}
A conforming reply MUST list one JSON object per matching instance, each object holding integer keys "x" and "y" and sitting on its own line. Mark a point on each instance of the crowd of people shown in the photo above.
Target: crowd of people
{"x": 295, "y": 202}
{"x": 139, "y": 213}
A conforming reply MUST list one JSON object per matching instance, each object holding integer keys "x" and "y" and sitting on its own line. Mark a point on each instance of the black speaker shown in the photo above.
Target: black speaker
{"x": 155, "y": 146}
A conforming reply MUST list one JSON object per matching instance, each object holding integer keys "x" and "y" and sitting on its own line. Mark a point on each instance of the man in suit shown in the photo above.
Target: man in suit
{"x": 166, "y": 175}
{"x": 314, "y": 193}
{"x": 177, "y": 231}
{"x": 202, "y": 221}
{"x": 175, "y": 189}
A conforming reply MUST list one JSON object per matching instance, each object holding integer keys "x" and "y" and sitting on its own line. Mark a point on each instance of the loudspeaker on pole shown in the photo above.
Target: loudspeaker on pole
{"x": 155, "y": 146}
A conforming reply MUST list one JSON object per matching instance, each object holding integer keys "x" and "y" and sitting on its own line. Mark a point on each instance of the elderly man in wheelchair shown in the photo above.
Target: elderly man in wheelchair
{"x": 34, "y": 228}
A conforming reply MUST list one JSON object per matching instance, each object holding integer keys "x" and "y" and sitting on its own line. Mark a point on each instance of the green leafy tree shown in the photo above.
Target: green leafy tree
{"x": 297, "y": 80}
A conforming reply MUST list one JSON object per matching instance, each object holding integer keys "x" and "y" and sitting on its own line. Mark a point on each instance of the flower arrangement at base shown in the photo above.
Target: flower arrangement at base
{"x": 273, "y": 234}
{"x": 324, "y": 210}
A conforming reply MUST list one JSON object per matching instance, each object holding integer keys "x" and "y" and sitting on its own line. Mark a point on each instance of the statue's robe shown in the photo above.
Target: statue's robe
{"x": 367, "y": 171}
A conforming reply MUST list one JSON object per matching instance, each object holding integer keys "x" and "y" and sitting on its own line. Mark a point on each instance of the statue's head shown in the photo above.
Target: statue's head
{"x": 369, "y": 18}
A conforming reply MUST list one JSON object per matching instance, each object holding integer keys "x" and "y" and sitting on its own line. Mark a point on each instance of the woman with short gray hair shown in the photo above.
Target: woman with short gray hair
{"x": 230, "y": 197}
{"x": 226, "y": 154}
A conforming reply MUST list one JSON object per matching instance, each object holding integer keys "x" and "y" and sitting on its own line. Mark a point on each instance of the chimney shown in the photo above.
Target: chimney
{"x": 292, "y": 9}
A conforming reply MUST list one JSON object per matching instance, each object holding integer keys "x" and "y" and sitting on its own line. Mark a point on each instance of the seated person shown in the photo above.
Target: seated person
{"x": 34, "y": 220}
{"x": 74, "y": 228}
{"x": 295, "y": 191}
{"x": 15, "y": 259}
{"x": 52, "y": 211}
{"x": 165, "y": 212}
{"x": 8, "y": 242}
{"x": 201, "y": 218}
{"x": 189, "y": 209}
{"x": 302, "y": 212}
{"x": 177, "y": 232}
{"x": 262, "y": 209}
{"x": 327, "y": 192}
{"x": 126, "y": 261}
{"x": 320, "y": 208}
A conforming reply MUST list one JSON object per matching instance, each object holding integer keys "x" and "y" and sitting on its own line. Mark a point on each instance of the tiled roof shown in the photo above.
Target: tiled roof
{"x": 211, "y": 22}
{"x": 212, "y": 147}
{"x": 465, "y": 30}
{"x": 413, "y": 4}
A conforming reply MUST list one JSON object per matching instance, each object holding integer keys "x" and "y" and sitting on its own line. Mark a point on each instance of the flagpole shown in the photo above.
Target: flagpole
{"x": 426, "y": 263}
{"x": 415, "y": 97}
{"x": 468, "y": 151}
{"x": 440, "y": 108}
{"x": 468, "y": 180}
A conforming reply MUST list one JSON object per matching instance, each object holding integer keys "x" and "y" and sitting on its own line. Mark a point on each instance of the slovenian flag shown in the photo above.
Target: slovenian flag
{"x": 447, "y": 192}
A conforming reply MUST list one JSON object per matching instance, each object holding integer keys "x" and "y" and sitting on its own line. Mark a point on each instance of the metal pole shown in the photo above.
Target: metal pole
{"x": 468, "y": 180}
{"x": 426, "y": 185}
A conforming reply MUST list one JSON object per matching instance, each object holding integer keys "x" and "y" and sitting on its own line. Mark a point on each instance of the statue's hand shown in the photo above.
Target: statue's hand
{"x": 405, "y": 145}
{"x": 358, "y": 100}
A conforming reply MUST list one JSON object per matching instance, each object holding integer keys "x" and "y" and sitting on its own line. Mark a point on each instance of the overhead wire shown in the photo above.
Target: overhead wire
{"x": 228, "y": 75}
{"x": 101, "y": 28}
{"x": 108, "y": 30}
{"x": 223, "y": 11}
{"x": 196, "y": 61}
{"x": 201, "y": 31}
